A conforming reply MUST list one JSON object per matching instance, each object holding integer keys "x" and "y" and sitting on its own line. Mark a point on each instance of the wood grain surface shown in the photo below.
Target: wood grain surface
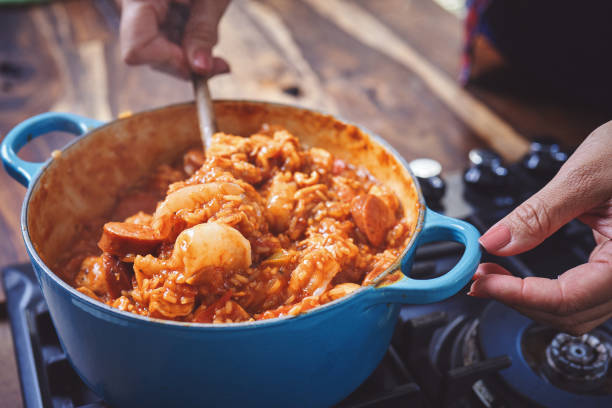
{"x": 387, "y": 65}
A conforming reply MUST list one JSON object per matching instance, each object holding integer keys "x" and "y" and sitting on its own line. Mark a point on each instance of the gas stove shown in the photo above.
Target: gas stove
{"x": 462, "y": 352}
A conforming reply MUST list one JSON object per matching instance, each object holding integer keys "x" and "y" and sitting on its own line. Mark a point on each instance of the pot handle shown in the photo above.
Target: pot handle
{"x": 24, "y": 171}
{"x": 436, "y": 227}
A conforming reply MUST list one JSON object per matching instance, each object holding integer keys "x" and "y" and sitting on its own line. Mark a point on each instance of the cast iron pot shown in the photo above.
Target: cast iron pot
{"x": 312, "y": 360}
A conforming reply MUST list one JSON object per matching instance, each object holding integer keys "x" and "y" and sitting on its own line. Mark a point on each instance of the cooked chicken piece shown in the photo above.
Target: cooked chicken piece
{"x": 280, "y": 202}
{"x": 202, "y": 254}
{"x": 104, "y": 275}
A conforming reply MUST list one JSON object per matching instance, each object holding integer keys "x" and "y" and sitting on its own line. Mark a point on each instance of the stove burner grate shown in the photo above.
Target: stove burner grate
{"x": 47, "y": 378}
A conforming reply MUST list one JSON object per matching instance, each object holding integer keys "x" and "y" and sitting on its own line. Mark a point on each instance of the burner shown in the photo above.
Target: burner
{"x": 440, "y": 348}
{"x": 505, "y": 331}
{"x": 577, "y": 363}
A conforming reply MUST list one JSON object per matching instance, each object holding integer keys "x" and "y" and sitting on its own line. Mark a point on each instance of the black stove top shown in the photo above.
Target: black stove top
{"x": 462, "y": 352}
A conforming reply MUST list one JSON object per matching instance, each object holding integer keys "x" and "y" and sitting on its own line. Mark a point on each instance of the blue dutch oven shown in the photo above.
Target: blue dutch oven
{"x": 311, "y": 360}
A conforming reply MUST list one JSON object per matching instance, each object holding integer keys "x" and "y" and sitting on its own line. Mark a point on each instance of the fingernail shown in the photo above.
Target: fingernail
{"x": 496, "y": 238}
{"x": 478, "y": 274}
{"x": 471, "y": 292}
{"x": 201, "y": 60}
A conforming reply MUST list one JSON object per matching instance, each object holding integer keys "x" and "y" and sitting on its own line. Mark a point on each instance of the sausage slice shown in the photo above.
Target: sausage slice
{"x": 122, "y": 238}
{"x": 372, "y": 217}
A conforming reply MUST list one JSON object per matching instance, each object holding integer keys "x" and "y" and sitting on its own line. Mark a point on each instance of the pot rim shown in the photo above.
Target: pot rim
{"x": 136, "y": 318}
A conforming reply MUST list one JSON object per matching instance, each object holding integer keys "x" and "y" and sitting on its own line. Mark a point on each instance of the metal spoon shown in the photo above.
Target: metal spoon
{"x": 204, "y": 108}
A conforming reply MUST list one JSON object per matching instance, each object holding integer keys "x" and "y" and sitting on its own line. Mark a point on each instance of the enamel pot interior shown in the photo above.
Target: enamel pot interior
{"x": 82, "y": 184}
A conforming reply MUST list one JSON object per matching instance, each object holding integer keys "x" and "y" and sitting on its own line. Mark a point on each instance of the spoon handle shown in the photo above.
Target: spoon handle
{"x": 204, "y": 108}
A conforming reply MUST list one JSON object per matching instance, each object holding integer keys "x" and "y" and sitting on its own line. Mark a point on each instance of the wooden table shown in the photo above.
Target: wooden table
{"x": 389, "y": 65}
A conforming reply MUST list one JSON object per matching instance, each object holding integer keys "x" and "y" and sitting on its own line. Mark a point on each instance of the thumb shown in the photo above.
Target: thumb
{"x": 200, "y": 35}
{"x": 576, "y": 189}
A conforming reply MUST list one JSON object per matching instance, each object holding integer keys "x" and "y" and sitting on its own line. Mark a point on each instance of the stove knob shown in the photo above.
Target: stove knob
{"x": 545, "y": 158}
{"x": 484, "y": 157}
{"x": 486, "y": 171}
{"x": 427, "y": 172}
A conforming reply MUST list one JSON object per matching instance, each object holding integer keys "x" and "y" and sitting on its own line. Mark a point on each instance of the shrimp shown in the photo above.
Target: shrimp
{"x": 190, "y": 198}
{"x": 314, "y": 273}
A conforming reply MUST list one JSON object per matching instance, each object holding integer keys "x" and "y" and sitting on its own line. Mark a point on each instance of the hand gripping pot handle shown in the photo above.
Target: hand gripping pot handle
{"x": 24, "y": 171}
{"x": 436, "y": 228}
